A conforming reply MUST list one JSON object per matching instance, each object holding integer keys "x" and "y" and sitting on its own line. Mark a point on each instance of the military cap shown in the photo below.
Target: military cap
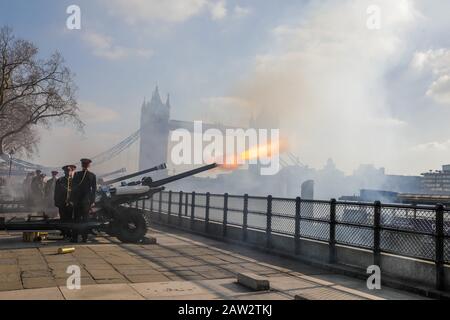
{"x": 87, "y": 161}
{"x": 54, "y": 172}
{"x": 69, "y": 166}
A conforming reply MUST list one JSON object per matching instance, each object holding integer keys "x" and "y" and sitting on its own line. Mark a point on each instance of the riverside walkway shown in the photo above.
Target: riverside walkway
{"x": 180, "y": 265}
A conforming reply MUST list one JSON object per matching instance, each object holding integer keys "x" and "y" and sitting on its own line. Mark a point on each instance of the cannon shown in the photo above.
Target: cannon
{"x": 110, "y": 215}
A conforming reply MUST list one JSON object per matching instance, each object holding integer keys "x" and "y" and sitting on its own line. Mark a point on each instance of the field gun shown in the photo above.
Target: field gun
{"x": 109, "y": 214}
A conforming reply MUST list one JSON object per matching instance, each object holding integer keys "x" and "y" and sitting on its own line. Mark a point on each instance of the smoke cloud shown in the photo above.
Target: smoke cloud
{"x": 324, "y": 82}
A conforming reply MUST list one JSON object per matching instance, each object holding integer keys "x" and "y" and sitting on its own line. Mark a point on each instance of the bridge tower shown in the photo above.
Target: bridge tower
{"x": 154, "y": 133}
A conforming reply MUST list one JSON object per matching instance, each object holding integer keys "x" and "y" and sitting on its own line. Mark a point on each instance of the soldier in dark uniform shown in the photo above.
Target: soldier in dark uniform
{"x": 37, "y": 190}
{"x": 63, "y": 189}
{"x": 49, "y": 189}
{"x": 83, "y": 194}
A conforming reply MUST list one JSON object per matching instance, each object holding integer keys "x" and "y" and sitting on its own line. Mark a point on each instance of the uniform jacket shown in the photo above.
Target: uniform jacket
{"x": 62, "y": 191}
{"x": 84, "y": 187}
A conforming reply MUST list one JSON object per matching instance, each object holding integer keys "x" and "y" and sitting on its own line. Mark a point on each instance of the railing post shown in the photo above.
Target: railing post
{"x": 245, "y": 218}
{"x": 136, "y": 205}
{"x": 269, "y": 222}
{"x": 332, "y": 241}
{"x": 440, "y": 272}
{"x": 186, "y": 203}
{"x": 377, "y": 233}
{"x": 192, "y": 209}
{"x": 160, "y": 206}
{"x": 180, "y": 207}
{"x": 169, "y": 207}
{"x": 225, "y": 215}
{"x": 143, "y": 205}
{"x": 298, "y": 202}
{"x": 151, "y": 204}
{"x": 208, "y": 195}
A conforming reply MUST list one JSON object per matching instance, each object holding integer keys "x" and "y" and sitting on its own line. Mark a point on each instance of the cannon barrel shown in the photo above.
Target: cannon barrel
{"x": 160, "y": 167}
{"x": 123, "y": 170}
{"x": 182, "y": 175}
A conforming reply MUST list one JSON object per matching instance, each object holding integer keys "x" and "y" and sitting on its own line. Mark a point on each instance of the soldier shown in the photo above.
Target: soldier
{"x": 83, "y": 194}
{"x": 37, "y": 189}
{"x": 63, "y": 189}
{"x": 27, "y": 188}
{"x": 50, "y": 189}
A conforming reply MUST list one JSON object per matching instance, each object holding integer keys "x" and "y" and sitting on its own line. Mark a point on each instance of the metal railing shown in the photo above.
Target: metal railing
{"x": 420, "y": 232}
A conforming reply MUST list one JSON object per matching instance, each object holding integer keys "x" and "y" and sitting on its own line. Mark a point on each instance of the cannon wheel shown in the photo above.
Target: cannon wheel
{"x": 133, "y": 227}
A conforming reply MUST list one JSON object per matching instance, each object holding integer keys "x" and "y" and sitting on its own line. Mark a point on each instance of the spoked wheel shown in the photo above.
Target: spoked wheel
{"x": 133, "y": 227}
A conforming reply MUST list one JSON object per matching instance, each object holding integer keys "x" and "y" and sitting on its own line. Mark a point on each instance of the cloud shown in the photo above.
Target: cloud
{"x": 144, "y": 11}
{"x": 433, "y": 146}
{"x": 241, "y": 12}
{"x": 218, "y": 10}
{"x": 136, "y": 12}
{"x": 104, "y": 47}
{"x": 436, "y": 62}
{"x": 324, "y": 80}
{"x": 93, "y": 114}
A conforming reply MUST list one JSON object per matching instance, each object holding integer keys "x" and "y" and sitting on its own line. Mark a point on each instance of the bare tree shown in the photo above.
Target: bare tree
{"x": 33, "y": 92}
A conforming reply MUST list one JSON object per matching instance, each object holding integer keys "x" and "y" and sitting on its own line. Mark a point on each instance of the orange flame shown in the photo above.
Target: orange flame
{"x": 266, "y": 150}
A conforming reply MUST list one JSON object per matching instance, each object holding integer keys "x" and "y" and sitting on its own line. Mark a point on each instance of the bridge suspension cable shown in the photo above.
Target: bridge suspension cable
{"x": 98, "y": 159}
{"x": 117, "y": 149}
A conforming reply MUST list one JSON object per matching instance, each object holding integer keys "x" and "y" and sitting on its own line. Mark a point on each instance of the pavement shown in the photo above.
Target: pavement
{"x": 179, "y": 266}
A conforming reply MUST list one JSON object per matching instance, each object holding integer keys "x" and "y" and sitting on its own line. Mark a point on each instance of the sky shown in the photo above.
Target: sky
{"x": 336, "y": 86}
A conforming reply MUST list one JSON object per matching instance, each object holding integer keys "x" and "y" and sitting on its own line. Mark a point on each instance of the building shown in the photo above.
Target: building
{"x": 437, "y": 182}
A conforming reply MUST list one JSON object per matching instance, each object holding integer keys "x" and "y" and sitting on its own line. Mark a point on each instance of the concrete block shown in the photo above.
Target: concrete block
{"x": 253, "y": 281}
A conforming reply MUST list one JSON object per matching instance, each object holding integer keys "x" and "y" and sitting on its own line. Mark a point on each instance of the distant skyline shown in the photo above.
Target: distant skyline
{"x": 340, "y": 90}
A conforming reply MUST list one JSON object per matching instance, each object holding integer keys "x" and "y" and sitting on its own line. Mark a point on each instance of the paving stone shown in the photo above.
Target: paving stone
{"x": 324, "y": 293}
{"x": 10, "y": 276}
{"x": 193, "y": 278}
{"x": 147, "y": 278}
{"x": 213, "y": 259}
{"x": 6, "y": 261}
{"x": 61, "y": 258}
{"x": 109, "y": 281}
{"x": 8, "y": 268}
{"x": 83, "y": 281}
{"x": 265, "y": 296}
{"x": 64, "y": 274}
{"x": 103, "y": 274}
{"x": 34, "y": 267}
{"x": 43, "y": 282}
{"x": 204, "y": 268}
{"x": 36, "y": 274}
{"x": 165, "y": 289}
{"x": 10, "y": 285}
{"x": 216, "y": 274}
{"x": 137, "y": 272}
{"x": 103, "y": 292}
{"x": 30, "y": 261}
{"x": 33, "y": 294}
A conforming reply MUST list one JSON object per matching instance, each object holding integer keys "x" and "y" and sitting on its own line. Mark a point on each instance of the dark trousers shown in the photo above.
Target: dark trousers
{"x": 81, "y": 213}
{"x": 66, "y": 213}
